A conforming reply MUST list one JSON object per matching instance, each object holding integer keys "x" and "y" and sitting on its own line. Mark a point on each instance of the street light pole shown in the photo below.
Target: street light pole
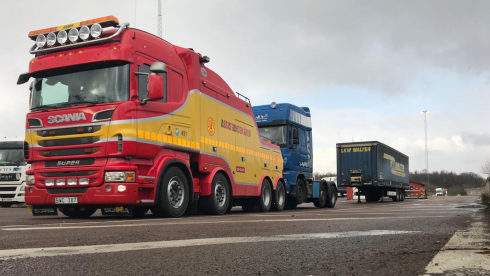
{"x": 426, "y": 147}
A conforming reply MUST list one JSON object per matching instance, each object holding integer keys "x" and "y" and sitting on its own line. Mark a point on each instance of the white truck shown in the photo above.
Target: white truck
{"x": 440, "y": 192}
{"x": 12, "y": 173}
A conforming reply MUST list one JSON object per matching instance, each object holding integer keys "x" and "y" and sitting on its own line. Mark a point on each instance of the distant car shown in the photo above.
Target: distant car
{"x": 341, "y": 191}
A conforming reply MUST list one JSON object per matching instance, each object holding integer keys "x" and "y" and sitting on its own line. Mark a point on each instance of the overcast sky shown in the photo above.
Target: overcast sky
{"x": 366, "y": 69}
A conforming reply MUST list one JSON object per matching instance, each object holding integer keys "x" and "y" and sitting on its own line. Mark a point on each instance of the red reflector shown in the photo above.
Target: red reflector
{"x": 52, "y": 132}
{"x": 46, "y": 153}
{"x": 88, "y": 150}
{"x": 80, "y": 130}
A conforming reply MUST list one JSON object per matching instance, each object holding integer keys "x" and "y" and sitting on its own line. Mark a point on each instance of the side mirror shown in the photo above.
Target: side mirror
{"x": 155, "y": 87}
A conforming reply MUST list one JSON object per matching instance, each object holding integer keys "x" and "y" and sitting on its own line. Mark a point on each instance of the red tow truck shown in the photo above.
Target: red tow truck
{"x": 124, "y": 121}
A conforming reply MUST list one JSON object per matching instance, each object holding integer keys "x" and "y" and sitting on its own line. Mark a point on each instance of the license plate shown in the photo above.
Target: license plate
{"x": 391, "y": 193}
{"x": 66, "y": 200}
{"x": 5, "y": 199}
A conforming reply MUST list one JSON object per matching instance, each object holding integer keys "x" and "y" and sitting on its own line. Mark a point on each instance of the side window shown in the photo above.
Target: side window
{"x": 174, "y": 85}
{"x": 143, "y": 83}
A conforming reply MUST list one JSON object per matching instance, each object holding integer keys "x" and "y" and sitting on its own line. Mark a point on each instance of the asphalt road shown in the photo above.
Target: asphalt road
{"x": 390, "y": 238}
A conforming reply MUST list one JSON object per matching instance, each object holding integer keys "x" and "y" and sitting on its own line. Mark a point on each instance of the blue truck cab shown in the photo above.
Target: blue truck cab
{"x": 289, "y": 127}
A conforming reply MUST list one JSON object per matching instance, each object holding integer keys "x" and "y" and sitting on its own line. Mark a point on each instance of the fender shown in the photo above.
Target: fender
{"x": 205, "y": 182}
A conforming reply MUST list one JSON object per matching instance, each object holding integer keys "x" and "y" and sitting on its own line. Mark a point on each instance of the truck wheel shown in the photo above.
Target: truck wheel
{"x": 140, "y": 211}
{"x": 78, "y": 212}
{"x": 279, "y": 197}
{"x": 395, "y": 198}
{"x": 265, "y": 198}
{"x": 217, "y": 203}
{"x": 174, "y": 194}
{"x": 5, "y": 204}
{"x": 332, "y": 197}
{"x": 321, "y": 201}
{"x": 300, "y": 191}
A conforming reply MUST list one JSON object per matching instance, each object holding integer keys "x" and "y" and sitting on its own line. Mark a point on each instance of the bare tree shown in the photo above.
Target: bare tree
{"x": 485, "y": 168}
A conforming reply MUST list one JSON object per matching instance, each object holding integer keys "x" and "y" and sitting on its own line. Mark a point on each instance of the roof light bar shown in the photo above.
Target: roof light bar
{"x": 80, "y": 33}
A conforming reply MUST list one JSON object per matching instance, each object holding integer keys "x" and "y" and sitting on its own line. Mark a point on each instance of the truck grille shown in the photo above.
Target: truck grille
{"x": 68, "y": 131}
{"x": 68, "y": 142}
{"x": 68, "y": 152}
{"x": 8, "y": 177}
{"x": 7, "y": 196}
{"x": 7, "y": 189}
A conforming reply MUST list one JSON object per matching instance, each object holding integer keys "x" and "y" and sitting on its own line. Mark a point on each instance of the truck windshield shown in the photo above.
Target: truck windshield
{"x": 275, "y": 134}
{"x": 82, "y": 84}
{"x": 11, "y": 157}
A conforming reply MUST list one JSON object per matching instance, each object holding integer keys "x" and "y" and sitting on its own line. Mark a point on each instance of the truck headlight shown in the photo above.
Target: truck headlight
{"x": 120, "y": 176}
{"x": 22, "y": 188}
{"x": 30, "y": 180}
{"x": 17, "y": 176}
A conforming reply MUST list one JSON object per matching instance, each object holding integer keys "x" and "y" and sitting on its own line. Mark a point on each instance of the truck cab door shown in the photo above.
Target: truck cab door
{"x": 155, "y": 125}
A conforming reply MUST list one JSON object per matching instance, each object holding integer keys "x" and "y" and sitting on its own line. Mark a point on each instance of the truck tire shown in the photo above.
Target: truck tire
{"x": 140, "y": 211}
{"x": 331, "y": 197}
{"x": 173, "y": 198}
{"x": 218, "y": 201}
{"x": 279, "y": 196}
{"x": 300, "y": 191}
{"x": 321, "y": 201}
{"x": 265, "y": 198}
{"x": 5, "y": 204}
{"x": 78, "y": 212}
{"x": 395, "y": 198}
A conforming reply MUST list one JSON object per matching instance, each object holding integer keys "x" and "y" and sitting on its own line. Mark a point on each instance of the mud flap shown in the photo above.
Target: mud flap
{"x": 44, "y": 211}
{"x": 117, "y": 211}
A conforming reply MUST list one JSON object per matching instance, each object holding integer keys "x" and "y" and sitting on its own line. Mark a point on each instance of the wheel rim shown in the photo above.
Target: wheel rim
{"x": 280, "y": 197}
{"x": 299, "y": 191}
{"x": 220, "y": 193}
{"x": 266, "y": 197}
{"x": 175, "y": 192}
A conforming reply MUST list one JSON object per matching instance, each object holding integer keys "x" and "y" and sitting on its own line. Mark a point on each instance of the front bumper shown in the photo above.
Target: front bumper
{"x": 15, "y": 196}
{"x": 88, "y": 195}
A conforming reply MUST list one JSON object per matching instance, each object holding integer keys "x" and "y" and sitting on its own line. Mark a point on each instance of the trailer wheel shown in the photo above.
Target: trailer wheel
{"x": 217, "y": 203}
{"x": 397, "y": 197}
{"x": 279, "y": 197}
{"x": 332, "y": 196}
{"x": 321, "y": 201}
{"x": 78, "y": 212}
{"x": 174, "y": 194}
{"x": 5, "y": 204}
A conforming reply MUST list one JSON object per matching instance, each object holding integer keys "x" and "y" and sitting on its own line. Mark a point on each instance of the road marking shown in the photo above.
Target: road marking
{"x": 465, "y": 251}
{"x": 112, "y": 248}
{"x": 209, "y": 222}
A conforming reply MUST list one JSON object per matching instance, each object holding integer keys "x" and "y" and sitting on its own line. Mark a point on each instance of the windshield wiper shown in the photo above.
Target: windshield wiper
{"x": 79, "y": 102}
{"x": 44, "y": 106}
